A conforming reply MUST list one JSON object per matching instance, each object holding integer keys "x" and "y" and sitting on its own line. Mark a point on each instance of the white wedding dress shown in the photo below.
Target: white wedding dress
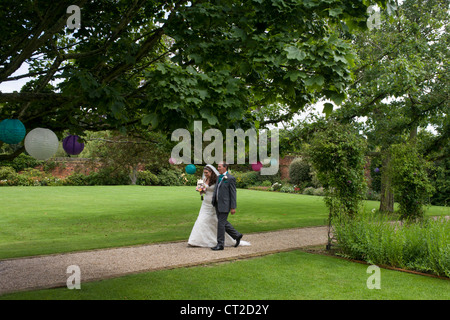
{"x": 204, "y": 232}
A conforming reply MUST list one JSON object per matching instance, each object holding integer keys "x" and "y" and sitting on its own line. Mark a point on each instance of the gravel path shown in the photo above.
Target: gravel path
{"x": 51, "y": 271}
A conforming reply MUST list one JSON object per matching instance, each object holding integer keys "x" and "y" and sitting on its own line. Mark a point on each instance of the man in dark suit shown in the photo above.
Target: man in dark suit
{"x": 224, "y": 200}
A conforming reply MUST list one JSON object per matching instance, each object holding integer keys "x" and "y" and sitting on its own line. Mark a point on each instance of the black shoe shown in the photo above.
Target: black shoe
{"x": 238, "y": 240}
{"x": 218, "y": 247}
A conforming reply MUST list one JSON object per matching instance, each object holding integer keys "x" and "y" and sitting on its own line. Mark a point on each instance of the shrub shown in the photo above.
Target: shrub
{"x": 170, "y": 178}
{"x": 32, "y": 173}
{"x": 441, "y": 182}
{"x": 372, "y": 195}
{"x": 76, "y": 179}
{"x": 21, "y": 180}
{"x": 338, "y": 156}
{"x": 319, "y": 192}
{"x": 190, "y": 179}
{"x": 287, "y": 189}
{"x": 423, "y": 246}
{"x": 21, "y": 162}
{"x": 240, "y": 182}
{"x": 251, "y": 178}
{"x": 410, "y": 180}
{"x": 254, "y": 178}
{"x": 308, "y": 191}
{"x": 299, "y": 172}
{"x": 246, "y": 179}
{"x": 266, "y": 183}
{"x": 147, "y": 178}
{"x": 375, "y": 173}
{"x": 7, "y": 173}
{"x": 108, "y": 176}
{"x": 276, "y": 186}
{"x": 260, "y": 188}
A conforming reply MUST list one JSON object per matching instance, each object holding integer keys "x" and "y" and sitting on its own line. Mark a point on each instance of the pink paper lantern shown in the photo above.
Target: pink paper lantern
{"x": 256, "y": 166}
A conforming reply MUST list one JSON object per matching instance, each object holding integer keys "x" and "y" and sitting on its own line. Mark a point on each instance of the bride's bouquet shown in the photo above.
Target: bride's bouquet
{"x": 201, "y": 187}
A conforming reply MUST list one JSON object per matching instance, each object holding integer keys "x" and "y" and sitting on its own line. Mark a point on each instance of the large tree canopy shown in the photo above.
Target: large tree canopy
{"x": 403, "y": 74}
{"x": 163, "y": 64}
{"x": 402, "y": 84}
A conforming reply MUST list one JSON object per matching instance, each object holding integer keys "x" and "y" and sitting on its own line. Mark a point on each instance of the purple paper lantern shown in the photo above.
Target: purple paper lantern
{"x": 72, "y": 146}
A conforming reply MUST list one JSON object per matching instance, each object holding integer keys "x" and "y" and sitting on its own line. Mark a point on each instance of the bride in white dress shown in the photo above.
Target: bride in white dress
{"x": 204, "y": 232}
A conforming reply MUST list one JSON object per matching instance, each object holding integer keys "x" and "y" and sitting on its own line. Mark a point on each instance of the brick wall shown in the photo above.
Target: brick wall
{"x": 284, "y": 166}
{"x": 66, "y": 166}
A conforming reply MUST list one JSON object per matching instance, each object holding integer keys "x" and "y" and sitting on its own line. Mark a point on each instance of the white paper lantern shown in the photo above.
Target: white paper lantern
{"x": 41, "y": 143}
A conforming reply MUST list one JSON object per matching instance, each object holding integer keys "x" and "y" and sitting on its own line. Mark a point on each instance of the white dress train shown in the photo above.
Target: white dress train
{"x": 204, "y": 232}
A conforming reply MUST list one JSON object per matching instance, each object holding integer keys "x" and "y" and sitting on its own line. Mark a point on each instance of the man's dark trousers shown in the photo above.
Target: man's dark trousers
{"x": 224, "y": 226}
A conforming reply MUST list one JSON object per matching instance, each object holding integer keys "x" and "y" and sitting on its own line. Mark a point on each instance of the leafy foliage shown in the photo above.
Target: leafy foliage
{"x": 374, "y": 238}
{"x": 337, "y": 155}
{"x": 410, "y": 180}
{"x": 300, "y": 172}
{"x": 136, "y": 65}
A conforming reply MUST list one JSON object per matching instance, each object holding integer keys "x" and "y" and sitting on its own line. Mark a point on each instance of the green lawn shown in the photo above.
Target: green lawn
{"x": 291, "y": 275}
{"x": 43, "y": 220}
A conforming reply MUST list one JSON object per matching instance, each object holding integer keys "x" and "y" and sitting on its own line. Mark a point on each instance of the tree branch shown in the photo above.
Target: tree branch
{"x": 33, "y": 96}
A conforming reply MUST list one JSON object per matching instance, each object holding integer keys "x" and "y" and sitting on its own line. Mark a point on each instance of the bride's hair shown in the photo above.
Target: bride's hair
{"x": 213, "y": 178}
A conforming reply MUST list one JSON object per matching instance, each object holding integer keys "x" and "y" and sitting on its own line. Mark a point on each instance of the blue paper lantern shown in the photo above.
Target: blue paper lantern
{"x": 190, "y": 169}
{"x": 12, "y": 131}
{"x": 72, "y": 146}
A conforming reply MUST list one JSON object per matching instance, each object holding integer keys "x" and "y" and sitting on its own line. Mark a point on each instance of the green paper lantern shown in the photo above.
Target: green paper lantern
{"x": 12, "y": 131}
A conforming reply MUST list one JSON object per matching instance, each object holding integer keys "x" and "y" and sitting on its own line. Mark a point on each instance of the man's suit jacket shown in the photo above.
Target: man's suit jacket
{"x": 224, "y": 197}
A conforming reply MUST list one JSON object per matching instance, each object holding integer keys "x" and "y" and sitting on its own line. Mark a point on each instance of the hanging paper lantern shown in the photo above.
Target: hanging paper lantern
{"x": 12, "y": 131}
{"x": 41, "y": 143}
{"x": 72, "y": 146}
{"x": 257, "y": 166}
{"x": 190, "y": 169}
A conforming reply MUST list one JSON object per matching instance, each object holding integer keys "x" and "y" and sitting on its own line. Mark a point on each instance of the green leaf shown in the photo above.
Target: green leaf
{"x": 117, "y": 108}
{"x": 315, "y": 81}
{"x": 391, "y": 7}
{"x": 327, "y": 109}
{"x": 335, "y": 12}
{"x": 294, "y": 75}
{"x": 150, "y": 119}
{"x": 239, "y": 33}
{"x": 295, "y": 53}
{"x": 338, "y": 98}
{"x": 206, "y": 114}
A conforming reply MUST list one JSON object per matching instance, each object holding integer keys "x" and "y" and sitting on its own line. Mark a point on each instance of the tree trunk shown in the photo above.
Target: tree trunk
{"x": 133, "y": 175}
{"x": 387, "y": 195}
